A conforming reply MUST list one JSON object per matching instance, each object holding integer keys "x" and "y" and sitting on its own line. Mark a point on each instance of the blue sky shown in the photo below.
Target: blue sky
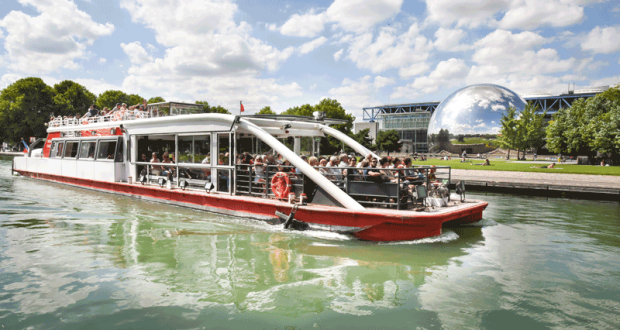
{"x": 288, "y": 53}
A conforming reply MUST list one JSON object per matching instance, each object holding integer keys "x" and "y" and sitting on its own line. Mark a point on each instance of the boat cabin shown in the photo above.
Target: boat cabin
{"x": 174, "y": 146}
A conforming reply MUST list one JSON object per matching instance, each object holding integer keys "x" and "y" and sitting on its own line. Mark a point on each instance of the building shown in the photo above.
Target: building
{"x": 411, "y": 120}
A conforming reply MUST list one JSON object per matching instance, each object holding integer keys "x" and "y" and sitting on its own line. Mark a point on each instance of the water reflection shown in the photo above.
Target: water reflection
{"x": 75, "y": 256}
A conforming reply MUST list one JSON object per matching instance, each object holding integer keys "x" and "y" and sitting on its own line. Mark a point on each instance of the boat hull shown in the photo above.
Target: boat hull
{"x": 369, "y": 224}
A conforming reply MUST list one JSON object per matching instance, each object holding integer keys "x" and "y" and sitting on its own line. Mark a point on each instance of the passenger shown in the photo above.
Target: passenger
{"x": 373, "y": 174}
{"x": 168, "y": 171}
{"x": 332, "y": 168}
{"x": 155, "y": 170}
{"x": 92, "y": 111}
{"x": 344, "y": 162}
{"x": 323, "y": 169}
{"x": 259, "y": 169}
{"x": 313, "y": 161}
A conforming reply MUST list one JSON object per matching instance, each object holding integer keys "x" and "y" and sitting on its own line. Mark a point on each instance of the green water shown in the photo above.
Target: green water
{"x": 77, "y": 259}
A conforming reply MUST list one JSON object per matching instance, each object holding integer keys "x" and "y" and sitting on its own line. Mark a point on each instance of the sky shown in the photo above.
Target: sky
{"x": 283, "y": 54}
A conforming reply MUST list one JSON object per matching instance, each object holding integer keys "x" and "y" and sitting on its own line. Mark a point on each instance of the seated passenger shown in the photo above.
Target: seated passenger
{"x": 373, "y": 174}
{"x": 155, "y": 170}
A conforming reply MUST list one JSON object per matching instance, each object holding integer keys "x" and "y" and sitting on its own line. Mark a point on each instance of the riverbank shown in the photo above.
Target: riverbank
{"x": 582, "y": 186}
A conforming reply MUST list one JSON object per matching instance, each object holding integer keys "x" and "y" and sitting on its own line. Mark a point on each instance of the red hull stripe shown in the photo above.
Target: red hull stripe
{"x": 373, "y": 224}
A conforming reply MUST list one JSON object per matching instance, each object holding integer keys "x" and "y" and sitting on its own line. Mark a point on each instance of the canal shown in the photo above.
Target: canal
{"x": 72, "y": 258}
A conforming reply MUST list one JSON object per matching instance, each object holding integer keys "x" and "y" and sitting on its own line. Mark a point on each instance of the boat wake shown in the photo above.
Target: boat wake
{"x": 447, "y": 236}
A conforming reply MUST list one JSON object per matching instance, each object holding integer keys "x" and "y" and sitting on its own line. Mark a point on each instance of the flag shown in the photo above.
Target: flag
{"x": 242, "y": 109}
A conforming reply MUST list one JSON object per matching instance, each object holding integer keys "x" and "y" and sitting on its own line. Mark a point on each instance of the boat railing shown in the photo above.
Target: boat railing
{"x": 393, "y": 189}
{"x": 117, "y": 115}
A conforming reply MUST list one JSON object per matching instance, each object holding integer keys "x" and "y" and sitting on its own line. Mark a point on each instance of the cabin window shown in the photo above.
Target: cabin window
{"x": 87, "y": 150}
{"x": 106, "y": 150}
{"x": 195, "y": 149}
{"x": 119, "y": 152}
{"x": 155, "y": 146}
{"x": 71, "y": 149}
{"x": 56, "y": 150}
{"x": 224, "y": 157}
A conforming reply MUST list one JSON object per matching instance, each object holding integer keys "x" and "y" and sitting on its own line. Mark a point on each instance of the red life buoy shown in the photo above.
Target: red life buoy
{"x": 281, "y": 185}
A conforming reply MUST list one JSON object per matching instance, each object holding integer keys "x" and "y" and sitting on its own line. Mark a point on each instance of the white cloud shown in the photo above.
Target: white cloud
{"x": 137, "y": 54}
{"x": 207, "y": 56}
{"x": 506, "y": 14}
{"x": 360, "y": 15}
{"x": 271, "y": 27}
{"x": 415, "y": 69}
{"x": 354, "y": 95}
{"x": 311, "y": 45}
{"x": 502, "y": 52}
{"x": 8, "y": 79}
{"x": 448, "y": 40}
{"x": 602, "y": 40}
{"x": 350, "y": 15}
{"x": 338, "y": 54}
{"x": 52, "y": 40}
{"x": 389, "y": 50}
{"x": 469, "y": 13}
{"x": 102, "y": 60}
{"x": 446, "y": 74}
{"x": 530, "y": 14}
{"x": 312, "y": 87}
{"x": 308, "y": 25}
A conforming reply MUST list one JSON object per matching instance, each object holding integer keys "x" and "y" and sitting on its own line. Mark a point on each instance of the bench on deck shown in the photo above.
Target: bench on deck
{"x": 382, "y": 192}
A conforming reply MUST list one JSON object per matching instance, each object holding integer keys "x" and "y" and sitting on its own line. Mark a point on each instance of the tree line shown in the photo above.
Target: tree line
{"x": 27, "y": 104}
{"x": 589, "y": 127}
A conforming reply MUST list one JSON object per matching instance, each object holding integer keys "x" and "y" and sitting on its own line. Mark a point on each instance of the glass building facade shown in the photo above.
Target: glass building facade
{"x": 412, "y": 127}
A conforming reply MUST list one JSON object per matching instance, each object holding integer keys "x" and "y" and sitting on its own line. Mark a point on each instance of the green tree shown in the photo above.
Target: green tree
{"x": 304, "y": 110}
{"x": 110, "y": 98}
{"x": 266, "y": 111}
{"x": 72, "y": 98}
{"x": 206, "y": 108}
{"x": 509, "y": 137}
{"x": 389, "y": 141}
{"x": 156, "y": 99}
{"x": 25, "y": 107}
{"x": 534, "y": 127}
{"x": 612, "y": 94}
{"x": 362, "y": 137}
{"x": 587, "y": 127}
{"x": 135, "y": 99}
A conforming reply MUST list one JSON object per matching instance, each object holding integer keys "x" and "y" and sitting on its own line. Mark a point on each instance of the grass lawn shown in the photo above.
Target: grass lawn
{"x": 501, "y": 165}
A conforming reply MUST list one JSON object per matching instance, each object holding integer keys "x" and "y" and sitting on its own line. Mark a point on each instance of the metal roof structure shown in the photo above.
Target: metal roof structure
{"x": 545, "y": 102}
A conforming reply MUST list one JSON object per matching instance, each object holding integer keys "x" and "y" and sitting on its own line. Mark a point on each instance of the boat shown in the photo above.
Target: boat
{"x": 207, "y": 167}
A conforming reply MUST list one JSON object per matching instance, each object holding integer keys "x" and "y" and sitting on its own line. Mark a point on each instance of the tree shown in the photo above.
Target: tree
{"x": 266, "y": 111}
{"x": 304, "y": 110}
{"x": 206, "y": 108}
{"x": 25, "y": 107}
{"x": 156, "y": 99}
{"x": 534, "y": 135}
{"x": 508, "y": 132}
{"x": 72, "y": 98}
{"x": 362, "y": 137}
{"x": 588, "y": 126}
{"x": 389, "y": 141}
{"x": 108, "y": 99}
{"x": 135, "y": 99}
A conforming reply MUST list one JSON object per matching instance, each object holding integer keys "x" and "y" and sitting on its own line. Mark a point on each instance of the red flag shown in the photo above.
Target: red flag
{"x": 242, "y": 109}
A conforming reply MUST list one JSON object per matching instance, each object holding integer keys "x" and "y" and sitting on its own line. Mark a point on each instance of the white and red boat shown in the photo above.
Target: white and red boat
{"x": 113, "y": 153}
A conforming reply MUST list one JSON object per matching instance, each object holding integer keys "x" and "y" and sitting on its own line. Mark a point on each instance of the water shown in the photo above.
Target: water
{"x": 77, "y": 259}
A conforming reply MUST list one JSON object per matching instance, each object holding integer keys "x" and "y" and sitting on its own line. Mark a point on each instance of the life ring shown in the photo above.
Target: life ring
{"x": 281, "y": 185}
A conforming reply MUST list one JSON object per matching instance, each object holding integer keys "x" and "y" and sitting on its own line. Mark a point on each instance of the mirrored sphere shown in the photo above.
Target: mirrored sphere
{"x": 469, "y": 119}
